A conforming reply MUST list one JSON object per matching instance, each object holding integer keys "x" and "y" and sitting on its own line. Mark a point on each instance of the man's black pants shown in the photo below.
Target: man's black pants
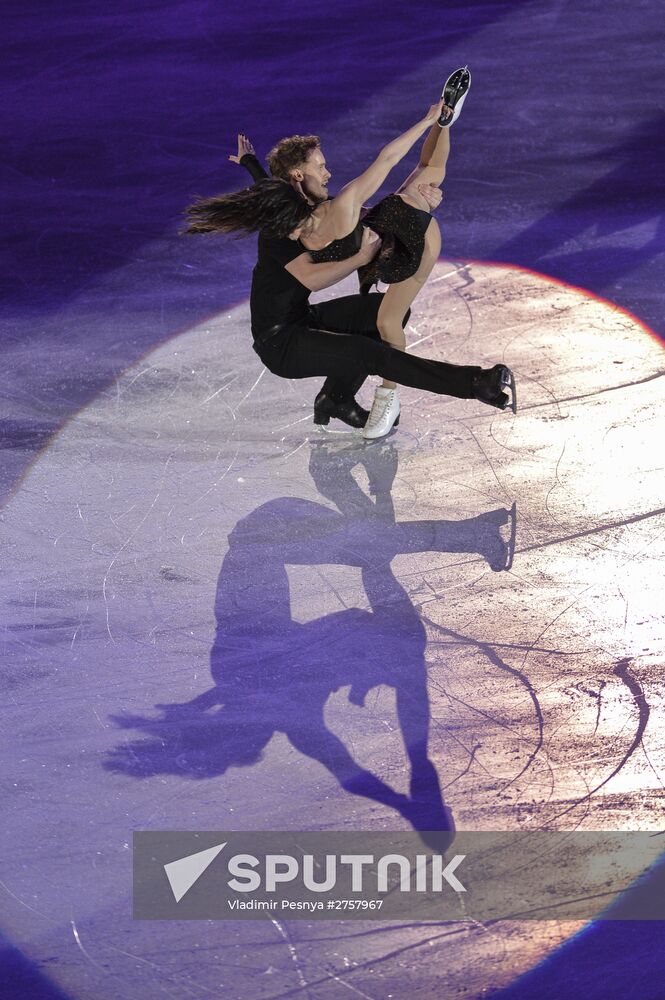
{"x": 341, "y": 341}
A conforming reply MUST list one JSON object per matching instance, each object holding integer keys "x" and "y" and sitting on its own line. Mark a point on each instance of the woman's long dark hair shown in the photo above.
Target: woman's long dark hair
{"x": 272, "y": 206}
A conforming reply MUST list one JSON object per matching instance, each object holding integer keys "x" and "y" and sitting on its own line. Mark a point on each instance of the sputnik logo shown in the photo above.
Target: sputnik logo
{"x": 281, "y": 868}
{"x": 183, "y": 873}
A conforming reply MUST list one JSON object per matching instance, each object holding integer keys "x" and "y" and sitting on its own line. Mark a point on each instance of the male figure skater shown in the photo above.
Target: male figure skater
{"x": 285, "y": 274}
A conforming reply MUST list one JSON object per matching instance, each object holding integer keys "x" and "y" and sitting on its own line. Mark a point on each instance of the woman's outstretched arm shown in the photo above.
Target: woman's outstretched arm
{"x": 345, "y": 209}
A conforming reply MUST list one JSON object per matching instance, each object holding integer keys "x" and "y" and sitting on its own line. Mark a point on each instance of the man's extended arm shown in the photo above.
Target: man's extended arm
{"x": 318, "y": 276}
{"x": 251, "y": 162}
{"x": 247, "y": 158}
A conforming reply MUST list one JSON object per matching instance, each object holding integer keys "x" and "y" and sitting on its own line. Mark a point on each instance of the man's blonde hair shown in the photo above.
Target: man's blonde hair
{"x": 291, "y": 153}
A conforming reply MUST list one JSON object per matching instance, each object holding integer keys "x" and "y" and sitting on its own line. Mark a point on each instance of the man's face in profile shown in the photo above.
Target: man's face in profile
{"x": 315, "y": 176}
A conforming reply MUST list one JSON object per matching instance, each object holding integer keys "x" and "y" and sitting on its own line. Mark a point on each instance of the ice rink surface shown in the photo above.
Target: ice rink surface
{"x": 217, "y": 616}
{"x": 233, "y": 620}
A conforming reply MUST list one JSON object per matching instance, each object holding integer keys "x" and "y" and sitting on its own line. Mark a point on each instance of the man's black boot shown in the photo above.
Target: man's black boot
{"x": 489, "y": 384}
{"x": 347, "y": 410}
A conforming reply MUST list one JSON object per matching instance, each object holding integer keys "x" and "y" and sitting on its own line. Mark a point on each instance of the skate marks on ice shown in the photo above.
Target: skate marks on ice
{"x": 194, "y": 500}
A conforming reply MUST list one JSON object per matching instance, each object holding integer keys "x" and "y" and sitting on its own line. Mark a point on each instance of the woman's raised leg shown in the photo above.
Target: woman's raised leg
{"x": 431, "y": 167}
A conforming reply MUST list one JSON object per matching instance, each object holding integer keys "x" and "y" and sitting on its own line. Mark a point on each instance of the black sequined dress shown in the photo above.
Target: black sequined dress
{"x": 402, "y": 230}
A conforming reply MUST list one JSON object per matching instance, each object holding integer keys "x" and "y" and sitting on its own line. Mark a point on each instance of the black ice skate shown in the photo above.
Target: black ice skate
{"x": 456, "y": 88}
{"x": 488, "y": 387}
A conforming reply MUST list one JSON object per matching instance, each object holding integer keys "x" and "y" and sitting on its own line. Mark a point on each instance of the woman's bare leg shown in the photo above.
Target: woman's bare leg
{"x": 399, "y": 297}
{"x": 433, "y": 159}
{"x": 430, "y": 170}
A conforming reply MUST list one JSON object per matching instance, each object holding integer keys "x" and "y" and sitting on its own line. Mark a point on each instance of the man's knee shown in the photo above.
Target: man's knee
{"x": 372, "y": 354}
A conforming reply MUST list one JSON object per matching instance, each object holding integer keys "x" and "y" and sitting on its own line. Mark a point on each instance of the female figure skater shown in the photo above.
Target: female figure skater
{"x": 412, "y": 244}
